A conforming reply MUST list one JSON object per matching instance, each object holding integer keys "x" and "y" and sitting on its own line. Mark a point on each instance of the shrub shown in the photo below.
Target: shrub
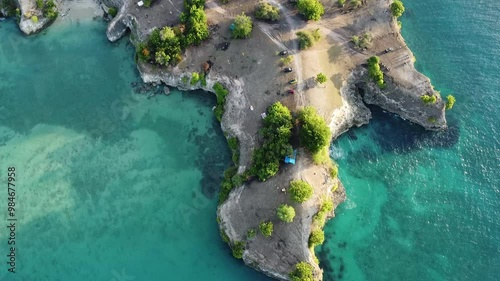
{"x": 362, "y": 42}
{"x": 147, "y": 3}
{"x": 428, "y": 99}
{"x": 242, "y": 26}
{"x": 450, "y": 101}
{"x": 112, "y": 11}
{"x": 334, "y": 171}
{"x": 251, "y": 233}
{"x": 285, "y": 213}
{"x": 303, "y": 271}
{"x": 39, "y": 4}
{"x": 311, "y": 9}
{"x": 224, "y": 236}
{"x": 320, "y": 217}
{"x": 317, "y": 237}
{"x": 34, "y": 19}
{"x": 196, "y": 24}
{"x": 321, "y": 78}
{"x": 307, "y": 38}
{"x": 266, "y": 11}
{"x": 165, "y": 46}
{"x": 374, "y": 71}
{"x": 300, "y": 191}
{"x": 195, "y": 77}
{"x": 397, "y": 8}
{"x": 266, "y": 228}
{"x": 203, "y": 79}
{"x": 286, "y": 60}
{"x": 276, "y": 133}
{"x": 221, "y": 94}
{"x": 314, "y": 133}
{"x": 238, "y": 249}
{"x": 341, "y": 3}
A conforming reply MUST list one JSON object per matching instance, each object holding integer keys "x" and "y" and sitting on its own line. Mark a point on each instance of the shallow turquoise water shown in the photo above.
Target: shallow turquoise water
{"x": 109, "y": 182}
{"x": 425, "y": 206}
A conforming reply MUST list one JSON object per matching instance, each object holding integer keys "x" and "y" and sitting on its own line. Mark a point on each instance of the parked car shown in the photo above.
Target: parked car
{"x": 293, "y": 81}
{"x": 291, "y": 91}
{"x": 288, "y": 69}
{"x": 284, "y": 53}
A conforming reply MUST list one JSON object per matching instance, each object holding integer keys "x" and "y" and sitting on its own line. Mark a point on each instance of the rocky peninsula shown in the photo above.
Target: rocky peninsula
{"x": 252, "y": 72}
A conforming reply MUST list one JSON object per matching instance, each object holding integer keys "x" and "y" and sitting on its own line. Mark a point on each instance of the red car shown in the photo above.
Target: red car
{"x": 291, "y": 91}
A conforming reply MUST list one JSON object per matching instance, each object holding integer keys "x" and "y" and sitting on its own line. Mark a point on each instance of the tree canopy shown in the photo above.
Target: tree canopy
{"x": 266, "y": 11}
{"x": 450, "y": 101}
{"x": 303, "y": 272}
{"x": 314, "y": 133}
{"x": 242, "y": 26}
{"x": 300, "y": 191}
{"x": 285, "y": 213}
{"x": 397, "y": 8}
{"x": 266, "y": 228}
{"x": 317, "y": 237}
{"x": 276, "y": 133}
{"x": 311, "y": 9}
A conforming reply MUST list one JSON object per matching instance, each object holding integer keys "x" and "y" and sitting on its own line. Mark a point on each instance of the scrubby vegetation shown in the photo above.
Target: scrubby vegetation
{"x": 242, "y": 26}
{"x": 34, "y": 19}
{"x": 321, "y": 78}
{"x": 300, "y": 191}
{"x": 286, "y": 60}
{"x": 450, "y": 101}
{"x": 311, "y": 9}
{"x": 285, "y": 213}
{"x": 238, "y": 248}
{"x": 234, "y": 145}
{"x": 314, "y": 133}
{"x": 195, "y": 78}
{"x": 303, "y": 272}
{"x": 267, "y": 12}
{"x": 334, "y": 171}
{"x": 320, "y": 217}
{"x": 307, "y": 39}
{"x": 112, "y": 11}
{"x": 266, "y": 228}
{"x": 221, "y": 94}
{"x": 375, "y": 72}
{"x": 251, "y": 233}
{"x": 9, "y": 7}
{"x": 362, "y": 42}
{"x": 429, "y": 99}
{"x": 276, "y": 133}
{"x": 317, "y": 237}
{"x": 164, "y": 46}
{"x": 397, "y": 8}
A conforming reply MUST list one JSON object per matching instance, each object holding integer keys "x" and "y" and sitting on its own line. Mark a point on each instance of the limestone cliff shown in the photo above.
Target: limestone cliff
{"x": 31, "y": 19}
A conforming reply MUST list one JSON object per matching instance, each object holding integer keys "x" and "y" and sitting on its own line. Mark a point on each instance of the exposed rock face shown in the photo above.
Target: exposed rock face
{"x": 28, "y": 10}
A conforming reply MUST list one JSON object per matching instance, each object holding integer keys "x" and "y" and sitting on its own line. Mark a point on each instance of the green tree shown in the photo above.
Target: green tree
{"x": 317, "y": 237}
{"x": 238, "y": 249}
{"x": 356, "y": 3}
{"x": 266, "y": 11}
{"x": 314, "y": 133}
{"x": 242, "y": 26}
{"x": 285, "y": 213}
{"x": 305, "y": 40}
{"x": 429, "y": 99}
{"x": 341, "y": 3}
{"x": 197, "y": 26}
{"x": 303, "y": 272}
{"x": 162, "y": 58}
{"x": 450, "y": 101}
{"x": 311, "y": 9}
{"x": 321, "y": 78}
{"x": 397, "y": 8}
{"x": 276, "y": 133}
{"x": 375, "y": 72}
{"x": 300, "y": 191}
{"x": 286, "y": 60}
{"x": 266, "y": 228}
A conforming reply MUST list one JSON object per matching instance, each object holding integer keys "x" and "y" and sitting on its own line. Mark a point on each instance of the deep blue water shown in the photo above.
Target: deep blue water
{"x": 421, "y": 205}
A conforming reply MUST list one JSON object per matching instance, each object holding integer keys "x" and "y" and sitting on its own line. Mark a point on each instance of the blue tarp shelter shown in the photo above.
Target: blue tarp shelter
{"x": 291, "y": 160}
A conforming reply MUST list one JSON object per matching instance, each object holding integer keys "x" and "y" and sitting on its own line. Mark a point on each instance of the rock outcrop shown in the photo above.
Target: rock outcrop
{"x": 31, "y": 19}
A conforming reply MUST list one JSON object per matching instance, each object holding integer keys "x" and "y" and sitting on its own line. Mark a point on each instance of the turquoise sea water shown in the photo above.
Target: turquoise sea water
{"x": 114, "y": 186}
{"x": 109, "y": 182}
{"x": 426, "y": 206}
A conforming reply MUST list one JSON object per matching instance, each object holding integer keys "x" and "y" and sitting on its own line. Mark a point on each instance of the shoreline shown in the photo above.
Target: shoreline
{"x": 244, "y": 70}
